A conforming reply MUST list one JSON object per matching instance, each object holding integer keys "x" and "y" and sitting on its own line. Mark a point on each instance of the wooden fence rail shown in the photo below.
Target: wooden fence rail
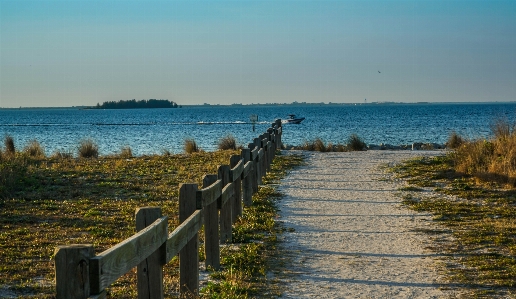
{"x": 216, "y": 206}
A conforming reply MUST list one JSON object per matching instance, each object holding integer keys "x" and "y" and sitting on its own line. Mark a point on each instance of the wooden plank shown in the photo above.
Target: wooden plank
{"x": 225, "y": 207}
{"x": 150, "y": 271}
{"x": 248, "y": 167}
{"x": 178, "y": 238}
{"x": 236, "y": 162}
{"x": 72, "y": 271}
{"x": 109, "y": 265}
{"x": 211, "y": 229}
{"x": 227, "y": 193}
{"x": 247, "y": 186}
{"x": 254, "y": 153}
{"x": 206, "y": 196}
{"x": 237, "y": 170}
{"x": 189, "y": 254}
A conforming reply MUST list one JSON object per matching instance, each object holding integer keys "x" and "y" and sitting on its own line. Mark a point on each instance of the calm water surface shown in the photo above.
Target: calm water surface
{"x": 150, "y": 131}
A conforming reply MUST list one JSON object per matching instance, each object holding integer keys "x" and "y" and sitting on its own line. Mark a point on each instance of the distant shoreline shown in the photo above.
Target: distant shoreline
{"x": 269, "y": 104}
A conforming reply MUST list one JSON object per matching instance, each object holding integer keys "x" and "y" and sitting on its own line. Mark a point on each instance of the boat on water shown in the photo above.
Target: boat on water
{"x": 293, "y": 119}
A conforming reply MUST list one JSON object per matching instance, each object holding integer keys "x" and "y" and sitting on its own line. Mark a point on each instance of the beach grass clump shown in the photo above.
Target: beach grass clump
{"x": 454, "y": 140}
{"x": 10, "y": 149}
{"x": 190, "y": 146}
{"x": 490, "y": 159}
{"x": 355, "y": 143}
{"x": 34, "y": 149}
{"x": 88, "y": 149}
{"x": 227, "y": 143}
{"x": 318, "y": 145}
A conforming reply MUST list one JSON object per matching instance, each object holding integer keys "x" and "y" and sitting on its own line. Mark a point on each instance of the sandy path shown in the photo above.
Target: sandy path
{"x": 352, "y": 238}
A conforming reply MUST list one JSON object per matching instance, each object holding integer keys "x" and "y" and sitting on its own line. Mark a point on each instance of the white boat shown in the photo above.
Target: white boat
{"x": 292, "y": 119}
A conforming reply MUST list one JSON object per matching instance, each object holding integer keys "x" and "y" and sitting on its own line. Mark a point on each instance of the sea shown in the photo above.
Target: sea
{"x": 156, "y": 131}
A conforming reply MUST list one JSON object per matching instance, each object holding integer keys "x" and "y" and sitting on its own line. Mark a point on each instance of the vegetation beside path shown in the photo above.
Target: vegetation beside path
{"x": 471, "y": 194}
{"x": 59, "y": 200}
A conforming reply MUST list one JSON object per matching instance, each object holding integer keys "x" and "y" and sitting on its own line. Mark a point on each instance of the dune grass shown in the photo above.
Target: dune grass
{"x": 474, "y": 201}
{"x": 190, "y": 146}
{"x": 10, "y": 149}
{"x": 354, "y": 143}
{"x": 227, "y": 143}
{"x": 88, "y": 149}
{"x": 59, "y": 201}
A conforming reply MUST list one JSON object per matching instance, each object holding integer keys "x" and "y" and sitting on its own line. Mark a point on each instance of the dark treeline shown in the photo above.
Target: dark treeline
{"x": 131, "y": 104}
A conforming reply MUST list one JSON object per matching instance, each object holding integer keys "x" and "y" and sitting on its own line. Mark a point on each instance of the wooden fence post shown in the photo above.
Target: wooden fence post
{"x": 226, "y": 208}
{"x": 247, "y": 187}
{"x": 237, "y": 198}
{"x": 211, "y": 228}
{"x": 150, "y": 271}
{"x": 254, "y": 172}
{"x": 258, "y": 166}
{"x": 73, "y": 271}
{"x": 189, "y": 255}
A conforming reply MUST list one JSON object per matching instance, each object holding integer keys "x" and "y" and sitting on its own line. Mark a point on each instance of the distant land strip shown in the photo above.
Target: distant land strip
{"x": 134, "y": 104}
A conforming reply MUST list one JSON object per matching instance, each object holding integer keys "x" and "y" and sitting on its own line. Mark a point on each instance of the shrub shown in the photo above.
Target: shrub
{"x": 88, "y": 149}
{"x": 356, "y": 143}
{"x": 454, "y": 141}
{"x": 227, "y": 143}
{"x": 9, "y": 145}
{"x": 34, "y": 149}
{"x": 191, "y": 146}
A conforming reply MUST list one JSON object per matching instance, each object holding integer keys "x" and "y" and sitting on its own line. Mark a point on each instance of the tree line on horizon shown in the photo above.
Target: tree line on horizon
{"x": 132, "y": 104}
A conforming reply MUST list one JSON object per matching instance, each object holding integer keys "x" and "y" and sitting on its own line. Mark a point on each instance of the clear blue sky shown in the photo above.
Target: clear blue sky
{"x": 73, "y": 52}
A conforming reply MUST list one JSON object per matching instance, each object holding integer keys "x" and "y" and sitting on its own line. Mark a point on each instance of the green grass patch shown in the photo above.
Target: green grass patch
{"x": 481, "y": 217}
{"x": 46, "y": 202}
{"x": 245, "y": 265}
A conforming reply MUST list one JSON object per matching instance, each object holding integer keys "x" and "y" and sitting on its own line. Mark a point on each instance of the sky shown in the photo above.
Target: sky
{"x": 74, "y": 52}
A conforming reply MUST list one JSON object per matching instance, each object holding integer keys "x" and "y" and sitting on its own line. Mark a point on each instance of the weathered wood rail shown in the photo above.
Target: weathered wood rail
{"x": 81, "y": 274}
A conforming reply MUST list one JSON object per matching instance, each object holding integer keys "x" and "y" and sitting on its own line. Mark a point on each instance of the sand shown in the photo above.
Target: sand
{"x": 348, "y": 236}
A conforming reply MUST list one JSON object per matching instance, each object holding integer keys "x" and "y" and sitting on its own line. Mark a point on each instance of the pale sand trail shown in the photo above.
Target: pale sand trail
{"x": 352, "y": 238}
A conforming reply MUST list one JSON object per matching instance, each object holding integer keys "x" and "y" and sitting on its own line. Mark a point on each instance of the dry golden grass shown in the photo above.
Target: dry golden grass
{"x": 227, "y": 143}
{"x": 88, "y": 149}
{"x": 493, "y": 159}
{"x": 34, "y": 149}
{"x": 191, "y": 146}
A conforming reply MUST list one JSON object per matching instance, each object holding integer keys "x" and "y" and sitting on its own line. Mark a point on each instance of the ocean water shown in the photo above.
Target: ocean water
{"x": 151, "y": 131}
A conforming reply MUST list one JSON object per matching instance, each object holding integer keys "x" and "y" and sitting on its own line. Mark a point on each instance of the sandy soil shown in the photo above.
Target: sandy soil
{"x": 349, "y": 235}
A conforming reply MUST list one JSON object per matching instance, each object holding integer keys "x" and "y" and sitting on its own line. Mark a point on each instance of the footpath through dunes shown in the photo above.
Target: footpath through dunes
{"x": 348, "y": 235}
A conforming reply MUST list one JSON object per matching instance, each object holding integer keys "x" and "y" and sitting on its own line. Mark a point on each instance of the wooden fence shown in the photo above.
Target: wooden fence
{"x": 82, "y": 274}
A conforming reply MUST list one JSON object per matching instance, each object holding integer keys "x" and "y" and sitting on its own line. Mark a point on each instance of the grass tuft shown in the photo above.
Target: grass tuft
{"x": 454, "y": 141}
{"x": 227, "y": 143}
{"x": 190, "y": 146}
{"x": 34, "y": 149}
{"x": 88, "y": 149}
{"x": 10, "y": 150}
{"x": 356, "y": 143}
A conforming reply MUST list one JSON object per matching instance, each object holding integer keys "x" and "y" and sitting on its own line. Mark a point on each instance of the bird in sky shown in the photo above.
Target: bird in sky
{"x": 379, "y": 72}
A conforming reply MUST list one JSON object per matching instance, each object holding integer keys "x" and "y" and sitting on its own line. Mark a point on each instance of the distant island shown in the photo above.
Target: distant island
{"x": 134, "y": 104}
